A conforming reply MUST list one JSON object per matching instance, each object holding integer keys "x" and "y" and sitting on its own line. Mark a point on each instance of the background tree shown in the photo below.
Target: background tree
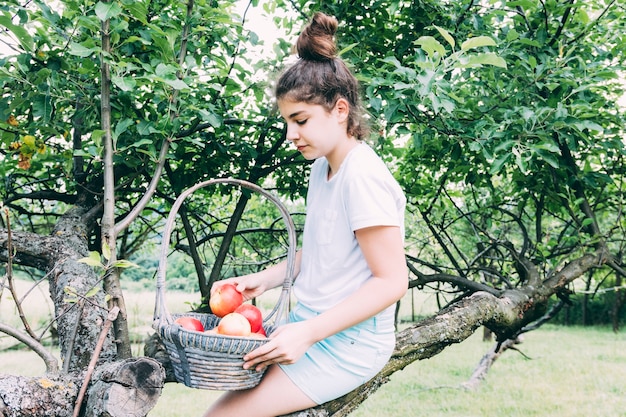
{"x": 500, "y": 122}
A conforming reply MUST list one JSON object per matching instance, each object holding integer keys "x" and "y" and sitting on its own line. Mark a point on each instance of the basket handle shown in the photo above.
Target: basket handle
{"x": 160, "y": 310}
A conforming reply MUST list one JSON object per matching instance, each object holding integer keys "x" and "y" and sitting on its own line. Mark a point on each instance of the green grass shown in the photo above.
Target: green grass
{"x": 568, "y": 371}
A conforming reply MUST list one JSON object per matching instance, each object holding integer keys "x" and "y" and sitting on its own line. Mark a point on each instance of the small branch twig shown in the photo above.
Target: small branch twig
{"x": 52, "y": 365}
{"x": 70, "y": 347}
{"x": 96, "y": 354}
{"x": 16, "y": 299}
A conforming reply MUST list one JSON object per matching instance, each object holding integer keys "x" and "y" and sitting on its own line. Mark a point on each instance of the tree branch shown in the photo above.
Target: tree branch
{"x": 52, "y": 364}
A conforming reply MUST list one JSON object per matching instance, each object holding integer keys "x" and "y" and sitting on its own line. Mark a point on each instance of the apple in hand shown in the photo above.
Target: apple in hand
{"x": 190, "y": 323}
{"x": 234, "y": 324}
{"x": 225, "y": 300}
{"x": 253, "y": 314}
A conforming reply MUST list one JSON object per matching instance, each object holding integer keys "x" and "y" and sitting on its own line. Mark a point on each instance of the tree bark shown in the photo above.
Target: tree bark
{"x": 124, "y": 389}
{"x": 120, "y": 389}
{"x": 488, "y": 359}
{"x": 46, "y": 396}
{"x": 69, "y": 280}
{"x": 618, "y": 304}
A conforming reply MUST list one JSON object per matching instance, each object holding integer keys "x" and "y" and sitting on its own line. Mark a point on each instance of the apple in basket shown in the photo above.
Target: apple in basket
{"x": 253, "y": 314}
{"x": 225, "y": 300}
{"x": 190, "y": 323}
{"x": 234, "y": 324}
{"x": 260, "y": 334}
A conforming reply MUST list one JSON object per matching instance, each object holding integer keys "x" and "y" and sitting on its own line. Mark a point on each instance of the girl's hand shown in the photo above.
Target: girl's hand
{"x": 286, "y": 345}
{"x": 250, "y": 286}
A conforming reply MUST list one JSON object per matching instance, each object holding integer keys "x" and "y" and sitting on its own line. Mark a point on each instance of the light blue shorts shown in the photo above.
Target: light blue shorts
{"x": 342, "y": 362}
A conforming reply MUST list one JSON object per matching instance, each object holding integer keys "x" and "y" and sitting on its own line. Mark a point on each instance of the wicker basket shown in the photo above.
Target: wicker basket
{"x": 209, "y": 360}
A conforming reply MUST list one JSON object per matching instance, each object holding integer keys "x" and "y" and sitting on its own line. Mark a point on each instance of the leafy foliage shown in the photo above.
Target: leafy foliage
{"x": 203, "y": 102}
{"x": 511, "y": 147}
{"x": 499, "y": 119}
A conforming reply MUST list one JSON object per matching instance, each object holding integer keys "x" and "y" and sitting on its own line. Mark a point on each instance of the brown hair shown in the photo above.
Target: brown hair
{"x": 320, "y": 76}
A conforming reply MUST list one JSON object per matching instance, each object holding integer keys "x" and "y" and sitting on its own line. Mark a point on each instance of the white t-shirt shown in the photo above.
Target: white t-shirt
{"x": 361, "y": 194}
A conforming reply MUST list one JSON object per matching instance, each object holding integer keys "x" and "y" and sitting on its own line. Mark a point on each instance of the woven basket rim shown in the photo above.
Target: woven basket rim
{"x": 230, "y": 348}
{"x": 162, "y": 328}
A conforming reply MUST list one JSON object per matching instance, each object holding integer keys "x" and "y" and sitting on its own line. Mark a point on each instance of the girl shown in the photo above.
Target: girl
{"x": 351, "y": 269}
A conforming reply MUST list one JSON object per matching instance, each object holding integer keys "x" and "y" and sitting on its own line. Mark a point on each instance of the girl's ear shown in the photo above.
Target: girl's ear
{"x": 342, "y": 107}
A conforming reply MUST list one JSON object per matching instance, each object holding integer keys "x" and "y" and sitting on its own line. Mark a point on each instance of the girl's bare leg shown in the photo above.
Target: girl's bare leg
{"x": 274, "y": 396}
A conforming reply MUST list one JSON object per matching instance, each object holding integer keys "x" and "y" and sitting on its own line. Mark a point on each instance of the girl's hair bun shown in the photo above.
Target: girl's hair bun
{"x": 316, "y": 41}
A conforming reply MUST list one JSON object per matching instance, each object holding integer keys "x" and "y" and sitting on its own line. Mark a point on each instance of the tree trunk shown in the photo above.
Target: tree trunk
{"x": 47, "y": 396}
{"x": 77, "y": 318}
{"x": 480, "y": 372}
{"x": 618, "y": 303}
{"x": 128, "y": 388}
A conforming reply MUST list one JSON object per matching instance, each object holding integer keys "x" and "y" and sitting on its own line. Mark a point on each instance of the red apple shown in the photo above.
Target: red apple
{"x": 253, "y": 314}
{"x": 234, "y": 324}
{"x": 190, "y": 323}
{"x": 225, "y": 300}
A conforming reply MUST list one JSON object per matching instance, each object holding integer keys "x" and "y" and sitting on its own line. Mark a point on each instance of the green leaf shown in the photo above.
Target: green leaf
{"x": 530, "y": 42}
{"x": 92, "y": 260}
{"x": 497, "y": 165}
{"x": 177, "y": 84}
{"x": 140, "y": 142}
{"x": 121, "y": 127}
{"x": 489, "y": 58}
{"x": 146, "y": 128}
{"x": 214, "y": 119}
{"x": 548, "y": 146}
{"x": 164, "y": 71}
{"x": 588, "y": 221}
{"x": 588, "y": 124}
{"x": 42, "y": 107}
{"x": 81, "y": 50}
{"x": 550, "y": 159}
{"x": 521, "y": 163}
{"x": 124, "y": 83}
{"x": 582, "y": 15}
{"x": 527, "y": 114}
{"x": 97, "y": 136}
{"x": 106, "y": 11}
{"x": 70, "y": 290}
{"x": 512, "y": 35}
{"x": 92, "y": 292}
{"x": 477, "y": 42}
{"x": 106, "y": 250}
{"x": 347, "y": 48}
{"x": 123, "y": 263}
{"x": 525, "y": 4}
{"x": 431, "y": 46}
{"x": 139, "y": 11}
{"x": 446, "y": 35}
{"x": 20, "y": 33}
{"x": 150, "y": 153}
{"x": 504, "y": 146}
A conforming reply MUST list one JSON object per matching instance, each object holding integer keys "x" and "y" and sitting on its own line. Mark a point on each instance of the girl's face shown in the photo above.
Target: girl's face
{"x": 314, "y": 131}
